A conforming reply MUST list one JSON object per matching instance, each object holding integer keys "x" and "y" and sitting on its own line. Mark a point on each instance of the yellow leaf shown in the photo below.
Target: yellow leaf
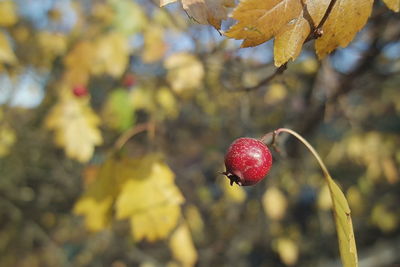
{"x": 235, "y": 194}
{"x": 182, "y": 247}
{"x": 78, "y": 63}
{"x": 166, "y": 2}
{"x": 95, "y": 204}
{"x": 288, "y": 251}
{"x": 7, "y": 138}
{"x": 6, "y": 53}
{"x": 150, "y": 199}
{"x": 8, "y": 14}
{"x": 324, "y": 198}
{"x": 195, "y": 221}
{"x": 341, "y": 210}
{"x": 393, "y": 4}
{"x": 259, "y": 21}
{"x": 111, "y": 55}
{"x": 276, "y": 93}
{"x": 142, "y": 98}
{"x": 75, "y": 125}
{"x": 167, "y": 102}
{"x": 274, "y": 203}
{"x": 344, "y": 225}
{"x": 185, "y": 71}
{"x": 289, "y": 40}
{"x": 345, "y": 20}
{"x": 205, "y": 11}
{"x": 154, "y": 45}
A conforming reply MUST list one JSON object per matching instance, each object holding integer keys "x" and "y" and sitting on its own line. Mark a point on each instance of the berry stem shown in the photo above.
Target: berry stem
{"x": 304, "y": 141}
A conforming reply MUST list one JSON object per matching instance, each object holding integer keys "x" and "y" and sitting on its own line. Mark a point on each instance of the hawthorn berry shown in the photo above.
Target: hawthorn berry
{"x": 247, "y": 161}
{"x": 80, "y": 91}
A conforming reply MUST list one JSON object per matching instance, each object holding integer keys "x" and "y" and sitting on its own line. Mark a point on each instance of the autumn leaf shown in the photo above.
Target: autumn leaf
{"x": 75, "y": 125}
{"x": 205, "y": 11}
{"x": 345, "y": 20}
{"x": 185, "y": 71}
{"x": 393, "y": 4}
{"x": 78, "y": 63}
{"x": 150, "y": 199}
{"x": 96, "y": 203}
{"x": 274, "y": 203}
{"x": 111, "y": 55}
{"x": 118, "y": 112}
{"x": 6, "y": 53}
{"x": 154, "y": 44}
{"x": 182, "y": 247}
{"x": 340, "y": 208}
{"x": 8, "y": 13}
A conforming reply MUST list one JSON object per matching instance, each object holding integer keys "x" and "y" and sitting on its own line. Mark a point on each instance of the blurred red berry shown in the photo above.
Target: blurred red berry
{"x": 80, "y": 91}
{"x": 247, "y": 161}
{"x": 129, "y": 80}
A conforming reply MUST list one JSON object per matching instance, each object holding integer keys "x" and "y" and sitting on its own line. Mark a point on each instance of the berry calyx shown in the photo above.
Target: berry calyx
{"x": 247, "y": 161}
{"x": 80, "y": 91}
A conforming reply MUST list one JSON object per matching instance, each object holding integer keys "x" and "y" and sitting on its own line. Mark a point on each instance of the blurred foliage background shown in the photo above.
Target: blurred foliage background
{"x": 79, "y": 78}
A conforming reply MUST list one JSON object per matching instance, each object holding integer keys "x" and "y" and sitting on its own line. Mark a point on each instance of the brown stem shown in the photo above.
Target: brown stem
{"x": 121, "y": 141}
{"x": 265, "y": 81}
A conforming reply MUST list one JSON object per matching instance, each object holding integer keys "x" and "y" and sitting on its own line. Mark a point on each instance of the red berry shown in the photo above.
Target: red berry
{"x": 247, "y": 161}
{"x": 129, "y": 80}
{"x": 80, "y": 91}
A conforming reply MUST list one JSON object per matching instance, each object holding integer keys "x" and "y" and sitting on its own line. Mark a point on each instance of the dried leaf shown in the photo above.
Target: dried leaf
{"x": 205, "y": 11}
{"x": 345, "y": 20}
{"x": 75, "y": 125}
{"x": 150, "y": 198}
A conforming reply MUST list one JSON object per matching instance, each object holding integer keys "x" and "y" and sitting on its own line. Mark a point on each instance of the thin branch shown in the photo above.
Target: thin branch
{"x": 265, "y": 81}
{"x": 317, "y": 31}
{"x": 124, "y": 138}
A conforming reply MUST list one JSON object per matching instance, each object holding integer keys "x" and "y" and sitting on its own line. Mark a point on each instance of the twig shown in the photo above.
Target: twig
{"x": 132, "y": 132}
{"x": 265, "y": 81}
{"x": 317, "y": 31}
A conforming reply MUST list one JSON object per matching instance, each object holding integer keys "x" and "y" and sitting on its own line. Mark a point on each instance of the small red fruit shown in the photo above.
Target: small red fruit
{"x": 247, "y": 161}
{"x": 80, "y": 91}
{"x": 129, "y": 80}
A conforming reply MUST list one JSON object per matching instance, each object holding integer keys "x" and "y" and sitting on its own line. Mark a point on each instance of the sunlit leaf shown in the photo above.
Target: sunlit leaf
{"x": 182, "y": 247}
{"x": 150, "y": 199}
{"x": 393, "y": 4}
{"x": 345, "y": 20}
{"x": 95, "y": 204}
{"x": 6, "y": 53}
{"x": 8, "y": 13}
{"x": 274, "y": 203}
{"x": 111, "y": 55}
{"x": 185, "y": 71}
{"x": 118, "y": 112}
{"x": 167, "y": 102}
{"x": 154, "y": 44}
{"x": 75, "y": 125}
{"x": 344, "y": 225}
{"x": 205, "y": 11}
{"x": 288, "y": 251}
{"x": 129, "y": 16}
